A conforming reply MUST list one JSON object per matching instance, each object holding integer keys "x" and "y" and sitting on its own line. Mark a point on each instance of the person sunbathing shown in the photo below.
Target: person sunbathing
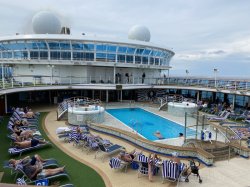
{"x": 29, "y": 143}
{"x": 158, "y": 135}
{"x": 36, "y": 159}
{"x": 38, "y": 172}
{"x": 30, "y": 114}
{"x": 127, "y": 157}
{"x": 21, "y": 135}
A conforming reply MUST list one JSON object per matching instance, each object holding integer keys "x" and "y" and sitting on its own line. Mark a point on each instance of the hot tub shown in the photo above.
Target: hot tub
{"x": 179, "y": 109}
{"x": 81, "y": 114}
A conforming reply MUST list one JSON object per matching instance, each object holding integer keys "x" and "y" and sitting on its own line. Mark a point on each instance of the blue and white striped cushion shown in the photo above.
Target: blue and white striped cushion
{"x": 21, "y": 182}
{"x": 169, "y": 169}
{"x": 13, "y": 150}
{"x": 142, "y": 158}
{"x": 115, "y": 163}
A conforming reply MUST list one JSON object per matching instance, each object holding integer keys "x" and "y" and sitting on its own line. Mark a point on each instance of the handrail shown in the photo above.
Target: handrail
{"x": 224, "y": 135}
{"x": 153, "y": 146}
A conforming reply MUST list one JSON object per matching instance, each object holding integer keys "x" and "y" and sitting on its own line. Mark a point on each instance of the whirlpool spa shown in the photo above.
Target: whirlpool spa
{"x": 179, "y": 109}
{"x": 78, "y": 115}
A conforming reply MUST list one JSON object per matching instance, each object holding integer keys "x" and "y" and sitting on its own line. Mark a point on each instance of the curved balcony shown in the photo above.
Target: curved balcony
{"x": 230, "y": 86}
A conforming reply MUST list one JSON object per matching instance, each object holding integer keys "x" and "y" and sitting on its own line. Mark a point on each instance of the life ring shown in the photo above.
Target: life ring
{"x": 206, "y": 135}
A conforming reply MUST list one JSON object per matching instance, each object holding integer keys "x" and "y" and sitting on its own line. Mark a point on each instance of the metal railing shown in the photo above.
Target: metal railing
{"x": 241, "y": 85}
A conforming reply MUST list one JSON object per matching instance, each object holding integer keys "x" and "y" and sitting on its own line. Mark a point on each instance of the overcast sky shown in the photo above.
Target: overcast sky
{"x": 204, "y": 34}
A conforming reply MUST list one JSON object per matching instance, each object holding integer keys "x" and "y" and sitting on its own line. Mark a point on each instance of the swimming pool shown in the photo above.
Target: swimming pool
{"x": 147, "y": 123}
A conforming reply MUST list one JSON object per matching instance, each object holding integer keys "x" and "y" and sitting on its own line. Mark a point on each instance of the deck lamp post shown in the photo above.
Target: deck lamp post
{"x": 51, "y": 75}
{"x": 215, "y": 77}
{"x": 187, "y": 72}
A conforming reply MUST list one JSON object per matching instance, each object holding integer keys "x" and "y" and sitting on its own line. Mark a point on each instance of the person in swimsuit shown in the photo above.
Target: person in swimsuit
{"x": 158, "y": 135}
{"x": 128, "y": 157}
{"x": 151, "y": 165}
{"x": 29, "y": 143}
{"x": 35, "y": 159}
{"x": 22, "y": 135}
{"x": 33, "y": 167}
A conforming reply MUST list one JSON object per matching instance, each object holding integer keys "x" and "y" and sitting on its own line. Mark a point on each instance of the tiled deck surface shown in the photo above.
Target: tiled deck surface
{"x": 234, "y": 173}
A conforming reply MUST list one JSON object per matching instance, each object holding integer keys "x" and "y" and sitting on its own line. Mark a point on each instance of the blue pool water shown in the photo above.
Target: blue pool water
{"x": 147, "y": 123}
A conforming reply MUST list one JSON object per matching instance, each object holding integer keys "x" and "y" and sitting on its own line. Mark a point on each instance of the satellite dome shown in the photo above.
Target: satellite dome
{"x": 139, "y": 32}
{"x": 46, "y": 22}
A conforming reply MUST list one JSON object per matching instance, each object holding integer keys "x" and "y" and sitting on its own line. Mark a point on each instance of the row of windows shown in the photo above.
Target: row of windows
{"x": 65, "y": 45}
{"x": 87, "y": 56}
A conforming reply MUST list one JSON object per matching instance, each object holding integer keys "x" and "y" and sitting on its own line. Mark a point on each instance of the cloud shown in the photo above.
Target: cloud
{"x": 200, "y": 33}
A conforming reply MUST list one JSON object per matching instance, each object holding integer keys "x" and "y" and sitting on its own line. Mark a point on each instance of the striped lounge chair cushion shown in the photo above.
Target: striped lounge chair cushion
{"x": 115, "y": 163}
{"x": 170, "y": 169}
{"x": 21, "y": 182}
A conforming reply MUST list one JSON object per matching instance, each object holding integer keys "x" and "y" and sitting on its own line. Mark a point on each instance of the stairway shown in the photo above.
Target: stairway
{"x": 218, "y": 149}
{"x": 221, "y": 153}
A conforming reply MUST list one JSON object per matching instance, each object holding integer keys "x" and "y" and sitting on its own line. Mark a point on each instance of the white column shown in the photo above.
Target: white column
{"x": 121, "y": 96}
{"x": 107, "y": 96}
{"x": 114, "y": 74}
{"x": 2, "y": 75}
{"x": 6, "y": 103}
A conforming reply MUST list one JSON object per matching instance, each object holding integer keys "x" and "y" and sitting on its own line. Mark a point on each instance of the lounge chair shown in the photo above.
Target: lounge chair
{"x": 143, "y": 165}
{"x": 172, "y": 171}
{"x": 221, "y": 114}
{"x": 108, "y": 150}
{"x": 116, "y": 163}
{"x": 218, "y": 119}
{"x": 16, "y": 151}
{"x": 90, "y": 144}
{"x": 48, "y": 163}
{"x": 19, "y": 168}
{"x": 67, "y": 185}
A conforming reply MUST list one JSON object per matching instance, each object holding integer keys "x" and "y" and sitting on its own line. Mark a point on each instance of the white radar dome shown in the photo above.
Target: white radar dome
{"x": 139, "y": 32}
{"x": 46, "y": 22}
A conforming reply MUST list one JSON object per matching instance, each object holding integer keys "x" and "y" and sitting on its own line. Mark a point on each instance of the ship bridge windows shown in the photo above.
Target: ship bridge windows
{"x": 129, "y": 59}
{"x": 101, "y": 57}
{"x": 77, "y": 56}
{"x": 88, "y": 56}
{"x": 31, "y": 45}
{"x": 77, "y": 46}
{"x": 121, "y": 58}
{"x": 89, "y": 47}
{"x": 34, "y": 54}
{"x": 20, "y": 54}
{"x": 111, "y": 57}
{"x": 54, "y": 45}
{"x": 131, "y": 50}
{"x": 122, "y": 49}
{"x": 157, "y": 61}
{"x": 138, "y": 59}
{"x": 7, "y": 54}
{"x": 101, "y": 47}
{"x": 55, "y": 55}
{"x": 65, "y": 55}
{"x": 139, "y": 51}
{"x": 146, "y": 52}
{"x": 65, "y": 45}
{"x": 43, "y": 55}
{"x": 111, "y": 48}
{"x": 83, "y": 46}
{"x": 144, "y": 60}
{"x": 41, "y": 45}
{"x": 83, "y": 56}
{"x": 151, "y": 61}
